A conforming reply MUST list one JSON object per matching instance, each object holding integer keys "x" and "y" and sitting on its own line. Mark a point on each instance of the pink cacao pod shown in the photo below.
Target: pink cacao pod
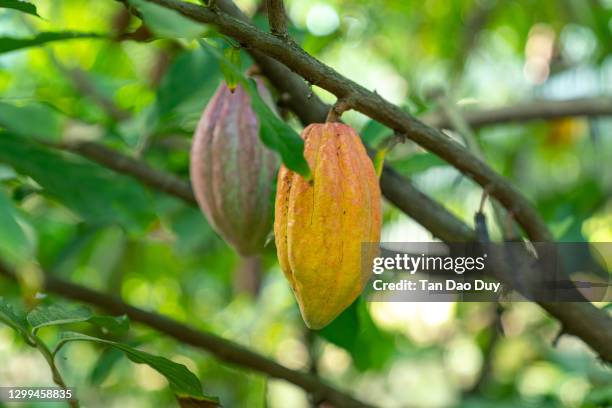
{"x": 232, "y": 172}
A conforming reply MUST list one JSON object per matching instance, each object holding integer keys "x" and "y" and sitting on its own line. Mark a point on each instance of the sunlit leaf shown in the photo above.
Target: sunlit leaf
{"x": 10, "y": 317}
{"x": 54, "y": 314}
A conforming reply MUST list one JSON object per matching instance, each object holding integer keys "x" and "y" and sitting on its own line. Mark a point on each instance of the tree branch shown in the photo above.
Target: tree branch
{"x": 277, "y": 18}
{"x": 374, "y": 106}
{"x": 589, "y": 107}
{"x": 223, "y": 349}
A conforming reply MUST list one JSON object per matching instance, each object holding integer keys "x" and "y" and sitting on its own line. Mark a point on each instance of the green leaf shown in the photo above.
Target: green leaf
{"x": 22, "y": 6}
{"x": 355, "y": 331}
{"x": 168, "y": 23}
{"x": 13, "y": 319}
{"x": 232, "y": 56}
{"x": 379, "y": 161}
{"x": 34, "y": 120}
{"x": 8, "y": 44}
{"x": 15, "y": 245}
{"x": 417, "y": 163}
{"x": 182, "y": 381}
{"x": 374, "y": 132}
{"x": 54, "y": 314}
{"x": 98, "y": 195}
{"x": 189, "y": 73}
{"x": 104, "y": 365}
{"x": 274, "y": 132}
{"x": 116, "y": 325}
{"x": 279, "y": 136}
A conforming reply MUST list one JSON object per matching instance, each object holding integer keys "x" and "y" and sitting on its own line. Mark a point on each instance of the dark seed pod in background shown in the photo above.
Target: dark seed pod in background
{"x": 232, "y": 172}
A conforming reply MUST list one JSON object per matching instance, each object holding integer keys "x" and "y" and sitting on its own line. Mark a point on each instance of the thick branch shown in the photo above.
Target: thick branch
{"x": 223, "y": 349}
{"x": 277, "y": 18}
{"x": 373, "y": 105}
{"x": 589, "y": 107}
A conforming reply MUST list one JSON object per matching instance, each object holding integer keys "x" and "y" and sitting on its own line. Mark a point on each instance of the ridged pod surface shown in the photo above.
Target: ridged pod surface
{"x": 320, "y": 224}
{"x": 232, "y": 172}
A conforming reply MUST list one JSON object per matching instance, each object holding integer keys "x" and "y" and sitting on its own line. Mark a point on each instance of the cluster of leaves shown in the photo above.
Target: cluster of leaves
{"x": 183, "y": 382}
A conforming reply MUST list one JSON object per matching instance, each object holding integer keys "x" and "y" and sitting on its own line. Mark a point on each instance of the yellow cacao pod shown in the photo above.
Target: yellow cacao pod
{"x": 320, "y": 224}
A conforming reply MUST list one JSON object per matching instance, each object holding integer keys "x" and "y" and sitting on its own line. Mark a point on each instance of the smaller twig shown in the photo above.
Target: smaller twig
{"x": 56, "y": 375}
{"x": 277, "y": 18}
{"x": 342, "y": 105}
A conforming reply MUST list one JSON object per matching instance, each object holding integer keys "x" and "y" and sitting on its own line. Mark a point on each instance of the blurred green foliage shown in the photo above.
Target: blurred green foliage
{"x": 140, "y": 90}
